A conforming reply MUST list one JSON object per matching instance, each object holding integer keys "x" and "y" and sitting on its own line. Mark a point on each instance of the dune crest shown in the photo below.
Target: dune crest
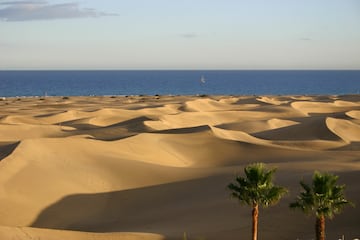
{"x": 239, "y": 136}
{"x": 279, "y": 123}
{"x": 207, "y": 105}
{"x": 56, "y": 118}
{"x": 273, "y": 100}
{"x": 323, "y": 107}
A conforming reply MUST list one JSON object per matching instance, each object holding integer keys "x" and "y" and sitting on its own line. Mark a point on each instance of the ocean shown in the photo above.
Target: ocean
{"x": 179, "y": 82}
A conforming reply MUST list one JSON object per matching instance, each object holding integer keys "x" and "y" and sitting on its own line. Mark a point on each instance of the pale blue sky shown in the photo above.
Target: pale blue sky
{"x": 180, "y": 34}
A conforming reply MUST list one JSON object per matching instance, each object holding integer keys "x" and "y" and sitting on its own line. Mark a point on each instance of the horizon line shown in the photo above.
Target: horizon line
{"x": 184, "y": 69}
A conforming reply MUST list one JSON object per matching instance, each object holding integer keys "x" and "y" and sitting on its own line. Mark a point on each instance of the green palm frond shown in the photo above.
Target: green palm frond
{"x": 323, "y": 197}
{"x": 257, "y": 186}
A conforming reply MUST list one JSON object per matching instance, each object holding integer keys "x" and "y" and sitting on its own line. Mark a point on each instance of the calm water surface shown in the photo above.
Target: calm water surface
{"x": 84, "y": 83}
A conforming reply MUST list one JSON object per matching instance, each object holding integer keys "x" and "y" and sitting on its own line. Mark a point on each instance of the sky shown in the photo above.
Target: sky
{"x": 179, "y": 34}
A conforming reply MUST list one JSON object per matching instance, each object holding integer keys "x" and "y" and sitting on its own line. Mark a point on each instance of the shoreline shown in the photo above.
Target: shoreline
{"x": 181, "y": 95}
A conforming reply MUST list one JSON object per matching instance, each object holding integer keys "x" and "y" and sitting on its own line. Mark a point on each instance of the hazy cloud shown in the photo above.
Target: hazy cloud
{"x": 189, "y": 35}
{"x": 42, "y": 10}
{"x": 305, "y": 39}
{"x": 23, "y": 2}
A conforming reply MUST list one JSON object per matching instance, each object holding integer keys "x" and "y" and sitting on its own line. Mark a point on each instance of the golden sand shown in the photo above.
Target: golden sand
{"x": 146, "y": 167}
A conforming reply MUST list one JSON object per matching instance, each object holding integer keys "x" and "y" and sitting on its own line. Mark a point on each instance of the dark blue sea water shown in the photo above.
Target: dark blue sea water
{"x": 242, "y": 82}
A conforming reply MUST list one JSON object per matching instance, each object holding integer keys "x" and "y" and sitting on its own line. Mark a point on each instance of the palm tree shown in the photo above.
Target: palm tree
{"x": 255, "y": 189}
{"x": 323, "y": 197}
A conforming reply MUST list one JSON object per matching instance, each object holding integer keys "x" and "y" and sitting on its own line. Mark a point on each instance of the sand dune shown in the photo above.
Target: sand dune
{"x": 56, "y": 118}
{"x": 72, "y": 165}
{"x": 208, "y": 105}
{"x": 308, "y": 144}
{"x": 154, "y": 167}
{"x": 26, "y": 131}
{"x": 342, "y": 103}
{"x": 18, "y": 120}
{"x": 314, "y": 128}
{"x": 347, "y": 130}
{"x": 195, "y": 119}
{"x": 106, "y": 117}
{"x": 257, "y": 125}
{"x": 354, "y": 114}
{"x": 6, "y": 148}
{"x": 273, "y": 100}
{"x": 28, "y": 233}
{"x": 323, "y": 107}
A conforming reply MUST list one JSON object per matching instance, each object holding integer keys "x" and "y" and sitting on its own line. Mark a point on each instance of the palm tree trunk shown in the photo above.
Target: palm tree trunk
{"x": 320, "y": 228}
{"x": 255, "y": 215}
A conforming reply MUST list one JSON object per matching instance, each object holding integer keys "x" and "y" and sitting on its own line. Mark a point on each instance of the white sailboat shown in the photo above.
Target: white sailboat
{"x": 202, "y": 79}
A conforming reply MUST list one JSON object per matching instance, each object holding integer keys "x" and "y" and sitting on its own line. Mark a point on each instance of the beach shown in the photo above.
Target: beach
{"x": 157, "y": 167}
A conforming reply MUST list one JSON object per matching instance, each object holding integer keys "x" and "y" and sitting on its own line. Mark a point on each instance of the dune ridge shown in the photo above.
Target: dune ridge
{"x": 154, "y": 167}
